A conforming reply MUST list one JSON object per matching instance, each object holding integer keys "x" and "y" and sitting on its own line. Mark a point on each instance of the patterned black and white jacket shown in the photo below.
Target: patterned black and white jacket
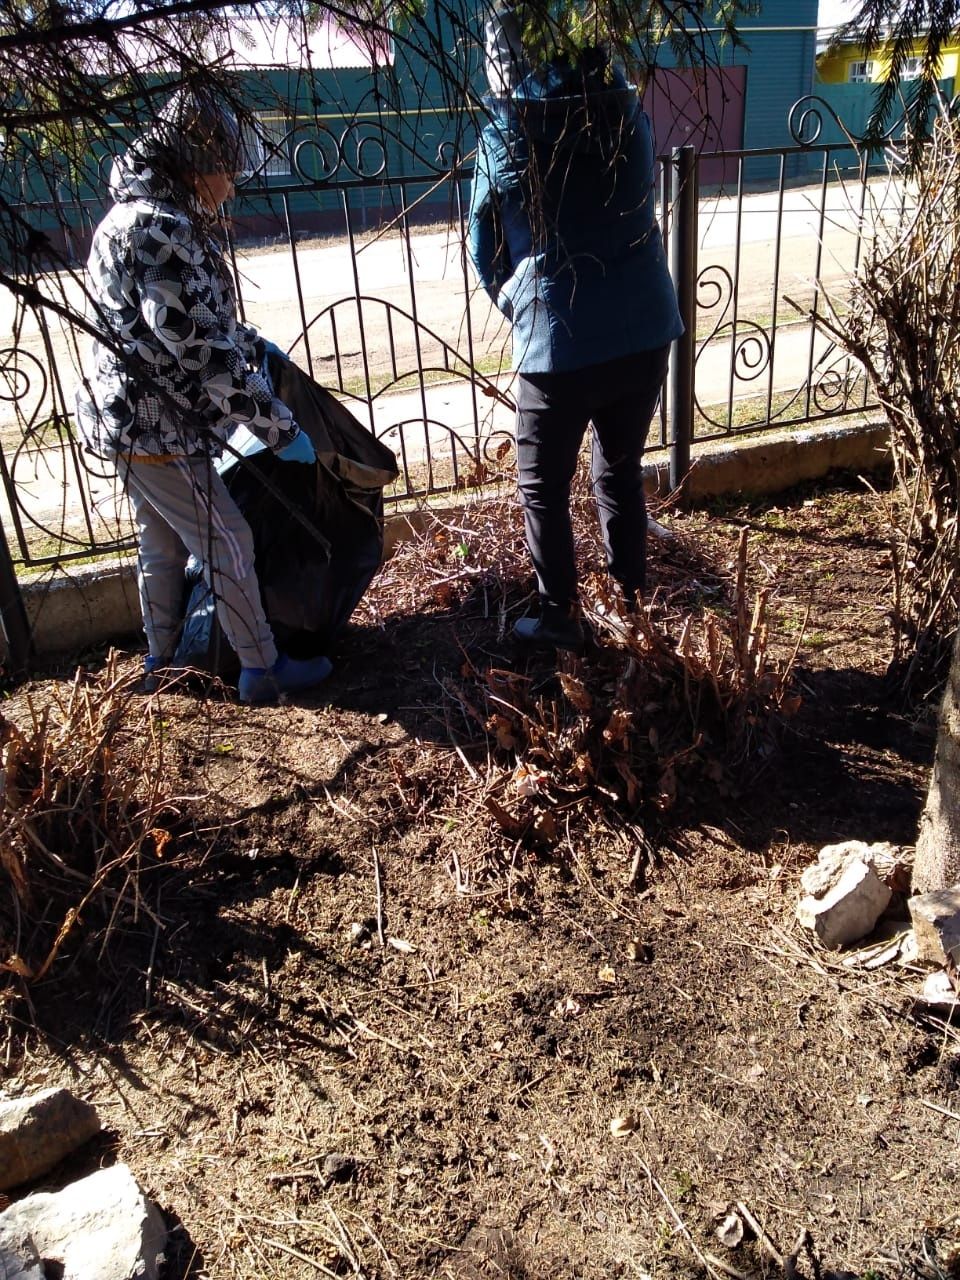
{"x": 175, "y": 371}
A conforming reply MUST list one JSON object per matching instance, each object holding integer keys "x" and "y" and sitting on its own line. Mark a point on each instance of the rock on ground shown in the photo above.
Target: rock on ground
{"x": 19, "y": 1259}
{"x": 832, "y": 860}
{"x": 851, "y": 900}
{"x": 936, "y": 924}
{"x": 36, "y": 1132}
{"x": 100, "y": 1228}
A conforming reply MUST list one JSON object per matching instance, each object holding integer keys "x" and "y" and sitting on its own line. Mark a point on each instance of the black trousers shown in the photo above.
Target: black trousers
{"x": 619, "y": 397}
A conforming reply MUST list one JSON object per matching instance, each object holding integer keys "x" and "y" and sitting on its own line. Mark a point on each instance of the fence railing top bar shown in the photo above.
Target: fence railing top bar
{"x": 267, "y": 190}
{"x": 273, "y": 187}
{"x": 460, "y": 173}
{"x": 759, "y": 153}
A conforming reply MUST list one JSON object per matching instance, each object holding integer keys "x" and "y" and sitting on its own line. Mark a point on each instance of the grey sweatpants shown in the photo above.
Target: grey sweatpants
{"x": 182, "y": 508}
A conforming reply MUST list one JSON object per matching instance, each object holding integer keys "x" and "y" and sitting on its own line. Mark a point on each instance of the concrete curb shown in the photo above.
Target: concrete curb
{"x": 79, "y": 608}
{"x": 770, "y": 464}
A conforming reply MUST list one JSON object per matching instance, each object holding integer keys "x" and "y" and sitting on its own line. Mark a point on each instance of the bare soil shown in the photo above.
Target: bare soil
{"x": 375, "y": 1031}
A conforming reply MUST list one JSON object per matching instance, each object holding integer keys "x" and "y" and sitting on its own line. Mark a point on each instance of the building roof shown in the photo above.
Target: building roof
{"x": 245, "y": 44}
{"x": 325, "y": 45}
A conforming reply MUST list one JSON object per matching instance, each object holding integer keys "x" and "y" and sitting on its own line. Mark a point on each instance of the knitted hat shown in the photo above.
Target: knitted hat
{"x": 198, "y": 134}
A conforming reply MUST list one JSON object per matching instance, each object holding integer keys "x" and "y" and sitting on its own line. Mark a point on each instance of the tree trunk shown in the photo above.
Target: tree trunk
{"x": 937, "y": 863}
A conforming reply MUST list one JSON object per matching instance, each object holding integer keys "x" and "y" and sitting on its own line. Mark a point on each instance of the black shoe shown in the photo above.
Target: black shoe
{"x": 155, "y": 671}
{"x": 552, "y": 629}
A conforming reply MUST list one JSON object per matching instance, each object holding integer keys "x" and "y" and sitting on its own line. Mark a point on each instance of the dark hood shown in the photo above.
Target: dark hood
{"x": 583, "y": 106}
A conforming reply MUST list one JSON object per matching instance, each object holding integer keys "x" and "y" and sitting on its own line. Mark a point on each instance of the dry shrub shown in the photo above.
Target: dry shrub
{"x": 666, "y": 700}
{"x": 82, "y": 823}
{"x": 902, "y": 322}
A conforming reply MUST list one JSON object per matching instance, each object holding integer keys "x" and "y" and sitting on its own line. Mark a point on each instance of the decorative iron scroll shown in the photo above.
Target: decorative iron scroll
{"x": 38, "y": 471}
{"x": 752, "y": 345}
{"x": 835, "y": 385}
{"x": 805, "y": 121}
{"x": 320, "y": 156}
{"x": 16, "y": 386}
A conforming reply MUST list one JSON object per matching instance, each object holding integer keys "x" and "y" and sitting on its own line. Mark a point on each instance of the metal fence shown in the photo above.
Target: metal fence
{"x": 362, "y": 273}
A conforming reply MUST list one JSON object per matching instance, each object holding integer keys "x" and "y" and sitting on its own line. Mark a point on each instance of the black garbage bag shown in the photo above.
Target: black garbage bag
{"x": 317, "y": 530}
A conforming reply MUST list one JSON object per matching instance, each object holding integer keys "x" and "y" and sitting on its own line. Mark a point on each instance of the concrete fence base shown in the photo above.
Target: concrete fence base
{"x": 79, "y": 608}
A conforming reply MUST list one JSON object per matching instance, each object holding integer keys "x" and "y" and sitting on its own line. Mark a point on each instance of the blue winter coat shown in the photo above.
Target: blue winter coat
{"x": 562, "y": 230}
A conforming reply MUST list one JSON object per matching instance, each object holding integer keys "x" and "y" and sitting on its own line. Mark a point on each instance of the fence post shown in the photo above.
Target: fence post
{"x": 683, "y": 264}
{"x": 13, "y": 614}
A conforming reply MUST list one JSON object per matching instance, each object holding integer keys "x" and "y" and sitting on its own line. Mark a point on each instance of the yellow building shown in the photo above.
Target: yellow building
{"x": 849, "y": 63}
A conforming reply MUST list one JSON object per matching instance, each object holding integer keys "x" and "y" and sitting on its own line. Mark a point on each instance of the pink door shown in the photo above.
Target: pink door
{"x": 703, "y": 107}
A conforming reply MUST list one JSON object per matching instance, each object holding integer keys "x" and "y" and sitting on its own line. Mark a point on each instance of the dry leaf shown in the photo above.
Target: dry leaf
{"x": 730, "y": 1231}
{"x": 528, "y": 782}
{"x": 630, "y": 778}
{"x": 18, "y": 966}
{"x": 575, "y": 691}
{"x": 620, "y": 1126}
{"x": 504, "y": 819}
{"x": 583, "y": 767}
{"x": 939, "y": 991}
{"x": 606, "y": 973}
{"x": 618, "y": 726}
{"x": 502, "y": 730}
{"x": 400, "y": 944}
{"x": 568, "y": 1008}
{"x": 160, "y": 838}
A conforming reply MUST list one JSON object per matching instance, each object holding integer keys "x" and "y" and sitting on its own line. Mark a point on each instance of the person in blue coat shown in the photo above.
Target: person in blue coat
{"x": 563, "y": 236}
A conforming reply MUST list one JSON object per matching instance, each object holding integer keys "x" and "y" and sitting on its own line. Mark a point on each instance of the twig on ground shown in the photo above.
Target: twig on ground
{"x": 943, "y": 1111}
{"x": 375, "y": 1035}
{"x": 681, "y": 1225}
{"x": 301, "y": 1257}
{"x": 725, "y": 1267}
{"x": 763, "y": 1239}
{"x": 378, "y": 889}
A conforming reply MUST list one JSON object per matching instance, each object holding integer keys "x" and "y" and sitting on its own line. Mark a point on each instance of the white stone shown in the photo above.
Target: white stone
{"x": 938, "y": 992}
{"x": 38, "y": 1130}
{"x": 100, "y": 1228}
{"x": 833, "y": 859}
{"x": 19, "y": 1259}
{"x": 849, "y": 909}
{"x": 936, "y": 924}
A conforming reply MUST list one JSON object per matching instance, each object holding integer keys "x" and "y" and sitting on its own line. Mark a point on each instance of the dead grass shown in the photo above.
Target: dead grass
{"x": 83, "y": 829}
{"x": 387, "y": 1036}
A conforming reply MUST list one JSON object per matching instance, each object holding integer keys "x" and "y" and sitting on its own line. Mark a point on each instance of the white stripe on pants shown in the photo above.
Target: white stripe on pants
{"x": 182, "y": 508}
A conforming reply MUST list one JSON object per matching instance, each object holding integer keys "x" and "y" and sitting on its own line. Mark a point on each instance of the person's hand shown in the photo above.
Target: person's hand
{"x": 300, "y": 449}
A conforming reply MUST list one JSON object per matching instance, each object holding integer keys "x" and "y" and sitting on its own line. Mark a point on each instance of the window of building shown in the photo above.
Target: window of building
{"x": 267, "y": 145}
{"x": 911, "y": 69}
{"x": 860, "y": 72}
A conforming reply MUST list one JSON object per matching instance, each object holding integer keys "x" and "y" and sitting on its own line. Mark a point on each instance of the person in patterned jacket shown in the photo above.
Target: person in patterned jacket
{"x": 172, "y": 375}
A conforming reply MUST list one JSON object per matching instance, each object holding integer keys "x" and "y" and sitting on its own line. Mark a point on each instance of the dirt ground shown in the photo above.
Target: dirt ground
{"x": 370, "y": 1022}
